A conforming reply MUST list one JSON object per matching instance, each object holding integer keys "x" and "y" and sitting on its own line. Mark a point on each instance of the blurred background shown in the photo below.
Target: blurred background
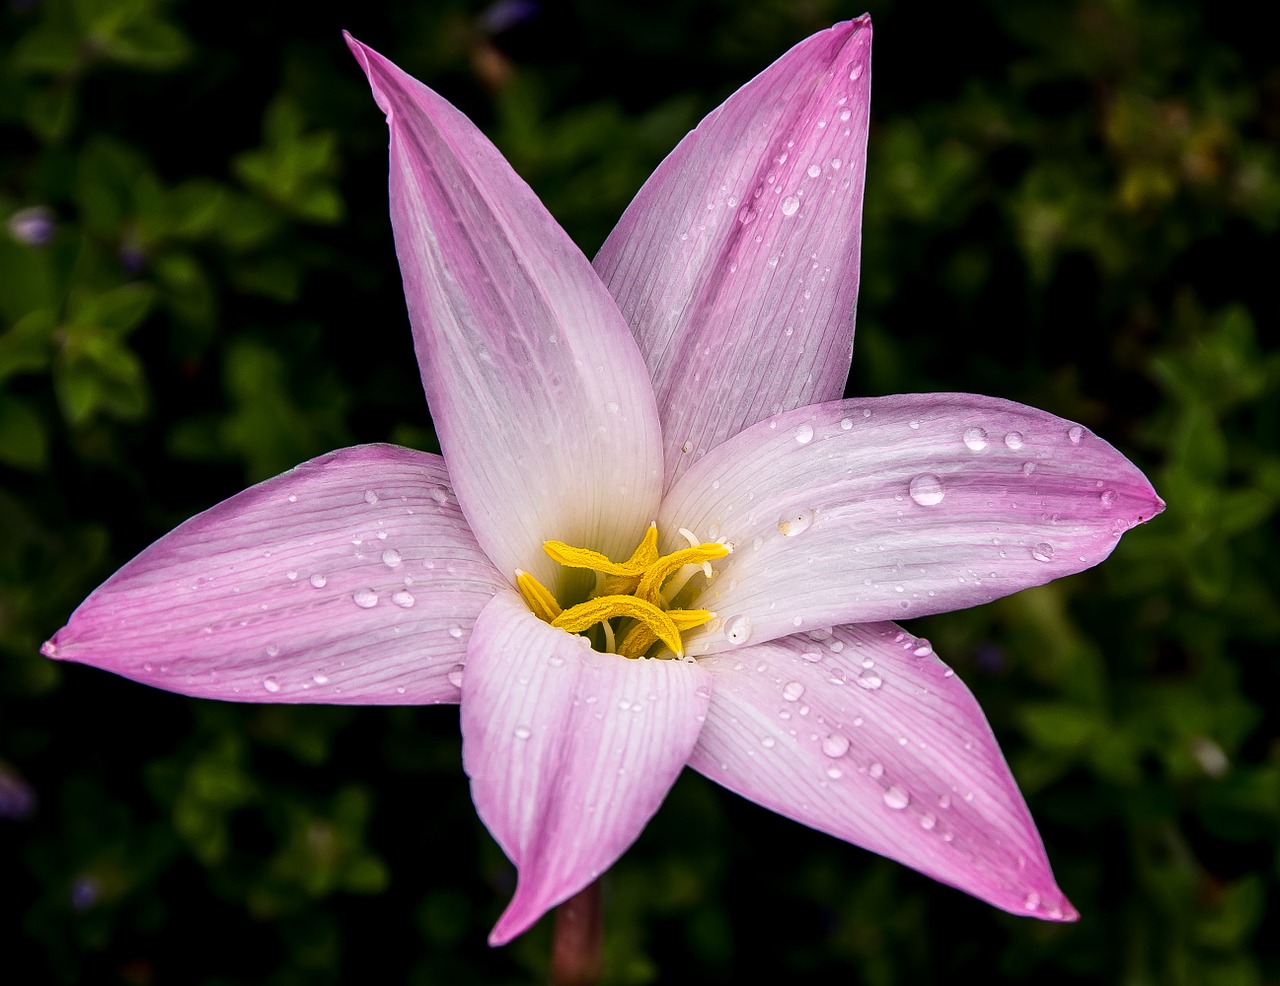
{"x": 1071, "y": 203}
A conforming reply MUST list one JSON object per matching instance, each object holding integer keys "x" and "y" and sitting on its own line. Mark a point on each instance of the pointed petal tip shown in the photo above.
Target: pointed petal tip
{"x": 50, "y": 647}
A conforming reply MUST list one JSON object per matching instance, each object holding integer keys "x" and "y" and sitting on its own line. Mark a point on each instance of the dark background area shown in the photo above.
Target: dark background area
{"x": 1072, "y": 204}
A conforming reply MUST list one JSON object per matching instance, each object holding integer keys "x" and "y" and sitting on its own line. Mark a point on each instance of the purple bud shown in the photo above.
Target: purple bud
{"x": 33, "y": 226}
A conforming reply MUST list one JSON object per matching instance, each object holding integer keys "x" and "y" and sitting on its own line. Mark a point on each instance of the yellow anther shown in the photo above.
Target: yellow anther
{"x": 640, "y": 638}
{"x": 650, "y": 586}
{"x": 541, "y": 602}
{"x": 646, "y": 554}
{"x": 575, "y": 619}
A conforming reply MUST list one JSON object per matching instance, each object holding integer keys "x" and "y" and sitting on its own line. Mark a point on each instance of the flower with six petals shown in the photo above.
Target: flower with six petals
{"x": 657, "y": 535}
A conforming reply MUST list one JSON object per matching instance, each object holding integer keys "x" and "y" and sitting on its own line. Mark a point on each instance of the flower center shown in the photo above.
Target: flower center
{"x": 631, "y": 602}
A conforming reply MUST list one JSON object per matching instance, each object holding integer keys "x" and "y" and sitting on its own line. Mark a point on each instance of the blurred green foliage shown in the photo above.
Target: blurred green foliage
{"x": 1074, "y": 204}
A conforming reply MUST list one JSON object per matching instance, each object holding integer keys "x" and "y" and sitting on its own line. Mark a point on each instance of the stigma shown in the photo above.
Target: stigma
{"x": 632, "y": 600}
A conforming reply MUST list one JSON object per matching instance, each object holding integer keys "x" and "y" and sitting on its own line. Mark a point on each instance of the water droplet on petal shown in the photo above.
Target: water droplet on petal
{"x": 402, "y": 599}
{"x": 1107, "y": 498}
{"x": 1031, "y": 901}
{"x": 814, "y": 171}
{"x": 835, "y": 773}
{"x": 835, "y": 745}
{"x": 792, "y": 691}
{"x": 738, "y": 629}
{"x": 320, "y": 678}
{"x": 846, "y": 424}
{"x": 923, "y": 648}
{"x": 391, "y": 558}
{"x": 271, "y": 685}
{"x": 1013, "y": 440}
{"x": 926, "y": 489}
{"x": 797, "y": 522}
{"x": 1075, "y": 433}
{"x": 768, "y": 742}
{"x": 928, "y": 820}
{"x": 790, "y": 205}
{"x": 804, "y": 434}
{"x": 455, "y": 676}
{"x": 812, "y": 656}
{"x": 976, "y": 439}
{"x": 522, "y": 732}
{"x": 440, "y": 495}
{"x": 869, "y": 680}
{"x": 318, "y": 581}
{"x": 875, "y": 771}
{"x": 370, "y": 496}
{"x": 896, "y": 798}
{"x": 855, "y": 71}
{"x": 455, "y": 631}
{"x": 1042, "y": 551}
{"x": 273, "y": 650}
{"x": 365, "y": 598}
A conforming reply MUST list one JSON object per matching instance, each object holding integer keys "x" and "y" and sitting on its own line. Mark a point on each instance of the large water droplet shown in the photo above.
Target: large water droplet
{"x": 440, "y": 495}
{"x": 320, "y": 678}
{"x": 790, "y": 205}
{"x": 896, "y": 798}
{"x": 1107, "y": 498}
{"x": 796, "y": 522}
{"x": 976, "y": 439}
{"x": 804, "y": 434}
{"x": 365, "y": 598}
{"x": 318, "y": 581}
{"x": 1042, "y": 551}
{"x": 1075, "y": 433}
{"x": 835, "y": 745}
{"x": 522, "y": 732}
{"x": 835, "y": 773}
{"x": 370, "y": 496}
{"x": 455, "y": 676}
{"x": 869, "y": 680}
{"x": 271, "y": 685}
{"x": 455, "y": 631}
{"x": 737, "y": 630}
{"x": 402, "y": 599}
{"x": 1013, "y": 440}
{"x": 792, "y": 691}
{"x": 926, "y": 489}
{"x": 875, "y": 771}
{"x": 855, "y": 71}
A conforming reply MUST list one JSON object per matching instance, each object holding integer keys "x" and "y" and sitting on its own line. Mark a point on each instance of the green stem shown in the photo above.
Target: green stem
{"x": 577, "y": 941}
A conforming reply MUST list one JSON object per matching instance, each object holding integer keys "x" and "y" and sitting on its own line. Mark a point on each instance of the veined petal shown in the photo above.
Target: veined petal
{"x": 351, "y": 579}
{"x": 861, "y": 510}
{"x": 737, "y": 263}
{"x": 540, "y": 397}
{"x": 904, "y": 765}
{"x": 569, "y": 751}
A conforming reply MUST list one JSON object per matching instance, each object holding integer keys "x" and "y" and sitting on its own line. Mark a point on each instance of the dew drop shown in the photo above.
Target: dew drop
{"x": 846, "y": 424}
{"x": 402, "y": 599}
{"x": 855, "y": 71}
{"x": 1031, "y": 902}
{"x": 926, "y": 489}
{"x": 1013, "y": 440}
{"x": 875, "y": 771}
{"x": 1107, "y": 498}
{"x": 522, "y": 732}
{"x": 455, "y": 676}
{"x": 812, "y": 656}
{"x": 835, "y": 745}
{"x": 1075, "y": 433}
{"x": 320, "y": 678}
{"x": 318, "y": 581}
{"x": 796, "y": 522}
{"x": 1028, "y": 468}
{"x": 365, "y": 598}
{"x": 790, "y": 205}
{"x": 928, "y": 820}
{"x": 835, "y": 773}
{"x": 1042, "y": 551}
{"x": 291, "y": 575}
{"x": 768, "y": 742}
{"x": 896, "y": 798}
{"x": 391, "y": 558}
{"x": 738, "y": 629}
{"x": 370, "y": 496}
{"x": 271, "y": 685}
{"x": 439, "y": 495}
{"x": 814, "y": 171}
{"x": 455, "y": 632}
{"x": 923, "y": 648}
{"x": 869, "y": 680}
{"x": 804, "y": 434}
{"x": 273, "y": 650}
{"x": 792, "y": 691}
{"x": 976, "y": 439}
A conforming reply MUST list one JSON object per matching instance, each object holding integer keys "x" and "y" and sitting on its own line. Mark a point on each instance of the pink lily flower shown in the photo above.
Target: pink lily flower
{"x": 657, "y": 536}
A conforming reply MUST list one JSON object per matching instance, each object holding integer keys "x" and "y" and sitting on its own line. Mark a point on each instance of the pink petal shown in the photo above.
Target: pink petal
{"x": 570, "y": 752}
{"x": 352, "y": 579}
{"x": 856, "y": 511}
{"x": 539, "y": 395}
{"x": 737, "y": 263}
{"x": 904, "y": 765}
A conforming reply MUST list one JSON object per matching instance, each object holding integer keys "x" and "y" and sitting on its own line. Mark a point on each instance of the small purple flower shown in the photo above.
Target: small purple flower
{"x": 33, "y": 226}
{"x": 657, "y": 536}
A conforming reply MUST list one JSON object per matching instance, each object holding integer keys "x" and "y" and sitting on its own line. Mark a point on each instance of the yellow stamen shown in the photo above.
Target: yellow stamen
{"x": 575, "y": 619}
{"x": 541, "y": 602}
{"x": 640, "y": 637}
{"x": 646, "y": 554}
{"x": 650, "y": 586}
